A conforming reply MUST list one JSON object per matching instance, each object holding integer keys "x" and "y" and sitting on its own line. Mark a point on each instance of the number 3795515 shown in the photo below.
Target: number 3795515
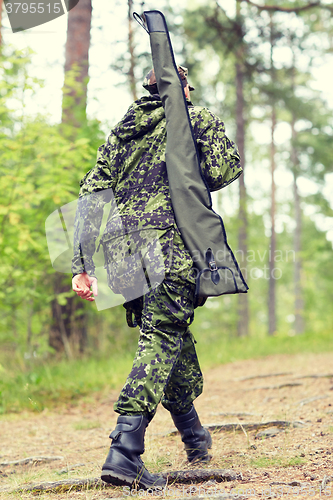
{"x": 32, "y": 8}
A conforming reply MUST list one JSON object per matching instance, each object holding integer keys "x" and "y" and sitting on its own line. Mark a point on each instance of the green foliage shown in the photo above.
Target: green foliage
{"x": 40, "y": 170}
{"x": 317, "y": 279}
{"x": 85, "y": 426}
{"x": 36, "y": 384}
{"x": 277, "y": 461}
{"x": 47, "y": 384}
{"x": 217, "y": 347}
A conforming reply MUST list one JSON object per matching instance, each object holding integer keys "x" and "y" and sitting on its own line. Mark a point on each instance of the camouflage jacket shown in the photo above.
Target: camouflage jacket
{"x": 131, "y": 173}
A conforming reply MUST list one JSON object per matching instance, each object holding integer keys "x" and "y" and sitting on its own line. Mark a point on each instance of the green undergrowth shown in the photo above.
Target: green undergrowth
{"x": 276, "y": 461}
{"x": 49, "y": 384}
{"x": 46, "y": 384}
{"x": 215, "y": 349}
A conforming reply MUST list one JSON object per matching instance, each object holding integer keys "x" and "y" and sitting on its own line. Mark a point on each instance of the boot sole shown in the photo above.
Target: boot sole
{"x": 117, "y": 477}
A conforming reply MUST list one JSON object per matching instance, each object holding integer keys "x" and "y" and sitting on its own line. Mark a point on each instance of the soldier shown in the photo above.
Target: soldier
{"x": 131, "y": 165}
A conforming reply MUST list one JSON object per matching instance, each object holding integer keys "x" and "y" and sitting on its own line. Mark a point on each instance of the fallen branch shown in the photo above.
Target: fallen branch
{"x": 249, "y": 426}
{"x": 234, "y": 414}
{"x": 310, "y": 400}
{"x": 61, "y": 486}
{"x": 31, "y": 460}
{"x": 180, "y": 476}
{"x": 292, "y": 483}
{"x": 279, "y": 386}
{"x": 280, "y": 374}
{"x": 199, "y": 475}
{"x": 68, "y": 469}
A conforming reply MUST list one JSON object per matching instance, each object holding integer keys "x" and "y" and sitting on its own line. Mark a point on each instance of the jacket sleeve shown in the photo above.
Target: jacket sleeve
{"x": 220, "y": 160}
{"x": 96, "y": 190}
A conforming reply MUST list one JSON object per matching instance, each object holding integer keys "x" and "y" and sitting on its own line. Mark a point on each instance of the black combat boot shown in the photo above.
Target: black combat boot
{"x": 197, "y": 440}
{"x": 123, "y": 466}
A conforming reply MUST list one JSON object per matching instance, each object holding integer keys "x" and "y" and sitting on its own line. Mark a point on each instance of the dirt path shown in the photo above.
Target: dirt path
{"x": 294, "y": 462}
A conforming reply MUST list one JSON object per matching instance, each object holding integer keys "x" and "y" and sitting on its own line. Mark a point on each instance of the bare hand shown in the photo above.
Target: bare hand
{"x": 81, "y": 284}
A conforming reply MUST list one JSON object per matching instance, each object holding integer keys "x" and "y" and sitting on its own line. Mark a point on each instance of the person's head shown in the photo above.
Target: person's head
{"x": 150, "y": 84}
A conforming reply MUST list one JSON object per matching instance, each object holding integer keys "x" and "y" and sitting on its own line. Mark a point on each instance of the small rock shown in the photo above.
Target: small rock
{"x": 326, "y": 480}
{"x": 267, "y": 433}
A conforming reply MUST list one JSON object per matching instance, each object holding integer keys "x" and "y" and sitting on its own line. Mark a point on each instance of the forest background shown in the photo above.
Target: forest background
{"x": 253, "y": 63}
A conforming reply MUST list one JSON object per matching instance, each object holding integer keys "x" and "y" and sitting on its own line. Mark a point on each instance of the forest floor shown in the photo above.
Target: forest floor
{"x": 295, "y": 461}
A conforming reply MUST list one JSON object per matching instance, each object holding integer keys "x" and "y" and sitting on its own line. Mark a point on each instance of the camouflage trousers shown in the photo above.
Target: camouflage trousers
{"x": 165, "y": 366}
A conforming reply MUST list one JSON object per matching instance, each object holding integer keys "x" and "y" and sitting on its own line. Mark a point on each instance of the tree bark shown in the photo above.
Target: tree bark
{"x": 299, "y": 303}
{"x": 272, "y": 281}
{"x": 76, "y": 64}
{"x": 68, "y": 332}
{"x": 243, "y": 301}
{"x": 131, "y": 72}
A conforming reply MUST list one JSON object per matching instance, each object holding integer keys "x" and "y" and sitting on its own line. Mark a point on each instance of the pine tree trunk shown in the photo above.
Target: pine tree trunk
{"x": 299, "y": 303}
{"x": 272, "y": 280}
{"x": 272, "y": 250}
{"x": 243, "y": 305}
{"x": 68, "y": 332}
{"x": 76, "y": 64}
{"x": 243, "y": 301}
{"x": 131, "y": 73}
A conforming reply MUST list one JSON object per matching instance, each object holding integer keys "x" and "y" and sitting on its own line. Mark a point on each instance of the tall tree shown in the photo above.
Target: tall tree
{"x": 131, "y": 71}
{"x": 299, "y": 302}
{"x": 69, "y": 330}
{"x": 243, "y": 302}
{"x": 76, "y": 64}
{"x": 272, "y": 252}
